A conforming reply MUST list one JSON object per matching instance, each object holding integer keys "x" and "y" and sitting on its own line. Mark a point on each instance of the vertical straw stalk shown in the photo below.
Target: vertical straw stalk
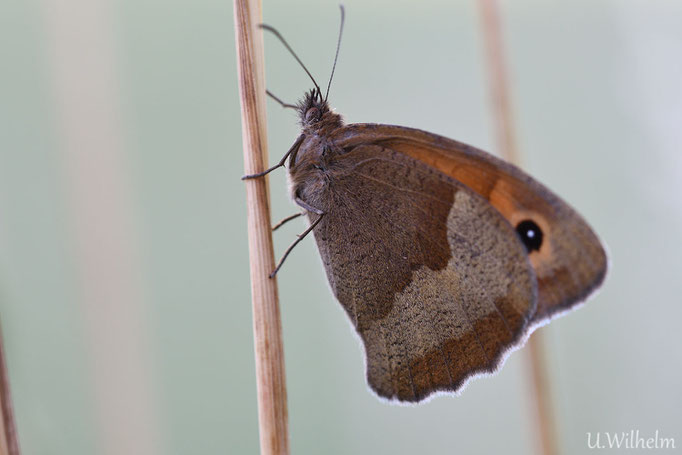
{"x": 267, "y": 326}
{"x": 9, "y": 443}
{"x": 504, "y": 121}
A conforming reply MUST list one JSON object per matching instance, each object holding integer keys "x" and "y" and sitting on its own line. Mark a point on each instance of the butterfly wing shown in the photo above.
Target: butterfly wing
{"x": 433, "y": 277}
{"x": 570, "y": 262}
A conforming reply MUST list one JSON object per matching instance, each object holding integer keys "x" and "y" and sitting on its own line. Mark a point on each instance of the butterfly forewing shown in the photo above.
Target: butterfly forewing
{"x": 569, "y": 263}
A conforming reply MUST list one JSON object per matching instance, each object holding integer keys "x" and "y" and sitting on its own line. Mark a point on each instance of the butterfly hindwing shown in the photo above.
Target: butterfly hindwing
{"x": 436, "y": 281}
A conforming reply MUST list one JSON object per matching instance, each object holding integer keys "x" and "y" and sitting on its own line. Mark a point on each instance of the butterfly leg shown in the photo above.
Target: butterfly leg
{"x": 294, "y": 148}
{"x": 307, "y": 206}
{"x": 286, "y": 220}
{"x": 282, "y": 103}
{"x": 300, "y": 237}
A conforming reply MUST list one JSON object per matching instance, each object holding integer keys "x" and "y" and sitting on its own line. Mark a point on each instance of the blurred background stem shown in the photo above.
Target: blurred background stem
{"x": 504, "y": 122}
{"x": 9, "y": 444}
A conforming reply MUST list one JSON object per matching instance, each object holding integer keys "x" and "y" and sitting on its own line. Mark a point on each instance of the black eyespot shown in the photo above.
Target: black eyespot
{"x": 531, "y": 235}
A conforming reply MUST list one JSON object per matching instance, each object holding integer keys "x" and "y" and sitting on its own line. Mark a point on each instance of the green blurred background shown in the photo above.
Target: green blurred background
{"x": 124, "y": 288}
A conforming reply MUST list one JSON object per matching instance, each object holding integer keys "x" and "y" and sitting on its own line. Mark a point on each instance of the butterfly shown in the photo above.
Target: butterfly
{"x": 444, "y": 257}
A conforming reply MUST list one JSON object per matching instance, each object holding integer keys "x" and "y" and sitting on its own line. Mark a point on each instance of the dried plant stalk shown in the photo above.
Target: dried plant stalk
{"x": 9, "y": 443}
{"x": 543, "y": 397}
{"x": 546, "y": 425}
{"x": 267, "y": 326}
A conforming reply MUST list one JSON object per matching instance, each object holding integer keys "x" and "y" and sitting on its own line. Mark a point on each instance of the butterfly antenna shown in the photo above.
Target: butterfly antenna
{"x": 281, "y": 38}
{"x": 338, "y": 46}
{"x": 282, "y": 103}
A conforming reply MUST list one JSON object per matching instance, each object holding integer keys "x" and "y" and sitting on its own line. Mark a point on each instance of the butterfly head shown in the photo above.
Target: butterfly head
{"x": 316, "y": 115}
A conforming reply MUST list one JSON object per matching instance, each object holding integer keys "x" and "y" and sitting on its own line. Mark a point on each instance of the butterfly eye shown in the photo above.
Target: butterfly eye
{"x": 312, "y": 114}
{"x": 531, "y": 235}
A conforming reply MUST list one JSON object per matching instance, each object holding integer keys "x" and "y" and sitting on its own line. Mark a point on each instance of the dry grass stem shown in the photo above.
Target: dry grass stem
{"x": 267, "y": 326}
{"x": 9, "y": 443}
{"x": 504, "y": 120}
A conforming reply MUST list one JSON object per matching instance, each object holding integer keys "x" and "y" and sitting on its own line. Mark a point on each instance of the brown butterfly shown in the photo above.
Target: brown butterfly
{"x": 444, "y": 257}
